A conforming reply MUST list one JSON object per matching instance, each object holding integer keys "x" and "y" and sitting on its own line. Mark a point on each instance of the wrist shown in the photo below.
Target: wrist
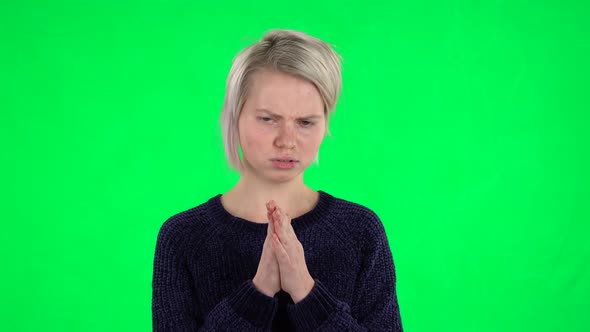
{"x": 261, "y": 289}
{"x": 302, "y": 293}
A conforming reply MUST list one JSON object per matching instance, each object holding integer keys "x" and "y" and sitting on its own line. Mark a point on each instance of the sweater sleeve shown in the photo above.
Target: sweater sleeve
{"x": 374, "y": 306}
{"x": 174, "y": 300}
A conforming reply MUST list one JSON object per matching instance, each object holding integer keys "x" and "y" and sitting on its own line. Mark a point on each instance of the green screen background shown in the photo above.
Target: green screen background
{"x": 462, "y": 124}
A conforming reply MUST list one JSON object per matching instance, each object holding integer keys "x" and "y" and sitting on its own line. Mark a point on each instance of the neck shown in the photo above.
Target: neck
{"x": 248, "y": 198}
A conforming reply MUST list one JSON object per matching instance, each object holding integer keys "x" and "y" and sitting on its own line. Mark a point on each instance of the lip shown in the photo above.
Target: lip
{"x": 285, "y": 158}
{"x": 284, "y": 164}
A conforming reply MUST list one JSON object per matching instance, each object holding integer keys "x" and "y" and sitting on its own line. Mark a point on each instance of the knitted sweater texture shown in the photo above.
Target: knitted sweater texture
{"x": 205, "y": 260}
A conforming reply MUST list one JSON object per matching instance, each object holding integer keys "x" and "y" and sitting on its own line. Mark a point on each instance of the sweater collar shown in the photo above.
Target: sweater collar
{"x": 317, "y": 214}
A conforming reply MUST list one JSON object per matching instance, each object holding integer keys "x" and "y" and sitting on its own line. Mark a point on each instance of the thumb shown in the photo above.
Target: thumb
{"x": 270, "y": 228}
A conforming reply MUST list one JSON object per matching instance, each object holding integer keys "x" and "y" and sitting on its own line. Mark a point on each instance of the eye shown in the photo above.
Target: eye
{"x": 265, "y": 119}
{"x": 306, "y": 123}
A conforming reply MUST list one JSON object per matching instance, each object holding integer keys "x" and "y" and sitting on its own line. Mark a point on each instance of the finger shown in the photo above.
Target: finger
{"x": 289, "y": 226}
{"x": 269, "y": 210}
{"x": 271, "y": 205}
{"x": 270, "y": 229}
{"x": 270, "y": 216}
{"x": 280, "y": 222}
{"x": 285, "y": 221}
{"x": 271, "y": 226}
{"x": 282, "y": 228}
{"x": 282, "y": 237}
{"x": 280, "y": 251}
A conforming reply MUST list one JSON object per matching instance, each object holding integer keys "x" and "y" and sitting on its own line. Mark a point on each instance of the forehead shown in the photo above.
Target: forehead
{"x": 282, "y": 93}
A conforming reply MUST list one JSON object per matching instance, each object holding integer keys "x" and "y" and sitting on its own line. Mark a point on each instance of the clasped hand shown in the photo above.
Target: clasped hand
{"x": 282, "y": 264}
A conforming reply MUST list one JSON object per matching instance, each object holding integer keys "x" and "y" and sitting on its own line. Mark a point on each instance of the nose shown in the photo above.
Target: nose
{"x": 286, "y": 137}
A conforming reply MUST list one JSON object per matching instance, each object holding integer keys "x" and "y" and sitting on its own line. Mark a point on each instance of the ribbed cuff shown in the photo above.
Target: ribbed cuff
{"x": 314, "y": 309}
{"x": 255, "y": 307}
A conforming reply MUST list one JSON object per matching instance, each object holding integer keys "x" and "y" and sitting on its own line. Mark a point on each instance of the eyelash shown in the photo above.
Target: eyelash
{"x": 309, "y": 123}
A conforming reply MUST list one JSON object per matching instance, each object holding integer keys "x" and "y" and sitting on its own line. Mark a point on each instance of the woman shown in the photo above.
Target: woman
{"x": 273, "y": 254}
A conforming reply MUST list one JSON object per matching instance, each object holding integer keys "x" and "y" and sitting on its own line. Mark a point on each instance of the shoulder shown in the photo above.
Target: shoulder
{"x": 358, "y": 221}
{"x": 185, "y": 224}
{"x": 360, "y": 215}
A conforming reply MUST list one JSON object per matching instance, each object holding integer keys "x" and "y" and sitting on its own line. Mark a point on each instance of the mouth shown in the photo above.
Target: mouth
{"x": 284, "y": 163}
{"x": 286, "y": 160}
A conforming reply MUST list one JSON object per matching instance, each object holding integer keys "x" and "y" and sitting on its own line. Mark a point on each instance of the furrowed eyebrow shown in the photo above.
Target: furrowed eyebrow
{"x": 262, "y": 110}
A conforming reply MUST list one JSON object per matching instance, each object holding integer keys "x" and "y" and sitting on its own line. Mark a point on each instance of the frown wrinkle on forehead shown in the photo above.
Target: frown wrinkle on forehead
{"x": 284, "y": 95}
{"x": 278, "y": 116}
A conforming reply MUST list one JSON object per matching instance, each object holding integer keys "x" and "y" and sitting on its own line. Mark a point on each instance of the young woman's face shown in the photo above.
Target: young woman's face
{"x": 282, "y": 118}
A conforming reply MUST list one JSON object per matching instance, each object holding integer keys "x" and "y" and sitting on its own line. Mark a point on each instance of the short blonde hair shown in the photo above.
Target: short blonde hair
{"x": 288, "y": 51}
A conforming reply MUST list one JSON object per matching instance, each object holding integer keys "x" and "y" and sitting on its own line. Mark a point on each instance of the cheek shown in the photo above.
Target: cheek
{"x": 311, "y": 140}
{"x": 253, "y": 139}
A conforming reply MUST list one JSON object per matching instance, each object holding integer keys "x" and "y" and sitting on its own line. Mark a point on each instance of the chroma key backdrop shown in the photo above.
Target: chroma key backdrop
{"x": 463, "y": 124}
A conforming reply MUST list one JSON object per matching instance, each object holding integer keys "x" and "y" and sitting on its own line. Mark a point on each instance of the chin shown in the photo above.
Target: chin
{"x": 284, "y": 177}
{"x": 275, "y": 174}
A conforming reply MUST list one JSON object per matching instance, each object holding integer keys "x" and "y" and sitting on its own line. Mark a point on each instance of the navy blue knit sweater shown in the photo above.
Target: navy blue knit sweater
{"x": 205, "y": 260}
